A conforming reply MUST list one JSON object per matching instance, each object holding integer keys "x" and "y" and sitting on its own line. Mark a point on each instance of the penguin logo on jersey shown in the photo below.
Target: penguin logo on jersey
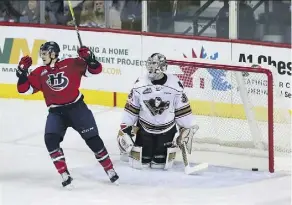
{"x": 156, "y": 106}
{"x": 58, "y": 81}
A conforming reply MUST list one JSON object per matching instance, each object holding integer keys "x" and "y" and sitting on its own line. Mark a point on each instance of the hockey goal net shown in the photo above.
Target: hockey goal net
{"x": 244, "y": 120}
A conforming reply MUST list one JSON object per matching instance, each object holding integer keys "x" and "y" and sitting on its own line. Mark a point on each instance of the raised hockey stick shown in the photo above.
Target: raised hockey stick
{"x": 75, "y": 24}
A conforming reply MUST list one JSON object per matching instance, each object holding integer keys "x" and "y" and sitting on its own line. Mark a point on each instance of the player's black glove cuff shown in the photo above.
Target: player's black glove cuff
{"x": 92, "y": 62}
{"x": 20, "y": 73}
{"x": 22, "y": 78}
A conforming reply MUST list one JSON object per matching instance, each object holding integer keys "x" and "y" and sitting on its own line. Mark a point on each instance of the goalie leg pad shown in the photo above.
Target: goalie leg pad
{"x": 164, "y": 162}
{"x": 170, "y": 157}
{"x": 135, "y": 159}
{"x": 161, "y": 151}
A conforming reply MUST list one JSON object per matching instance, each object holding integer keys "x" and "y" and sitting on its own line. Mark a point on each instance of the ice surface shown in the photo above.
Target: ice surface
{"x": 28, "y": 177}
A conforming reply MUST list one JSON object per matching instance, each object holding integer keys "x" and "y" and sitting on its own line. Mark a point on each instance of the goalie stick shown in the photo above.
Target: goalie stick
{"x": 188, "y": 169}
{"x": 183, "y": 147}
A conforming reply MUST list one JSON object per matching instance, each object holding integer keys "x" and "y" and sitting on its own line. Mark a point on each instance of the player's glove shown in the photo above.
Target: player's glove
{"x": 23, "y": 66}
{"x": 89, "y": 57}
{"x": 125, "y": 138}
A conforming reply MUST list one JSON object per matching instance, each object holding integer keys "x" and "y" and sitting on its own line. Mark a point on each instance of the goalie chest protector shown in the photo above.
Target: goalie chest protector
{"x": 157, "y": 103}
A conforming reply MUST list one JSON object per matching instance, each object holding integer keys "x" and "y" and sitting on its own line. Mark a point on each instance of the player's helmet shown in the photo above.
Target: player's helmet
{"x": 156, "y": 65}
{"x": 51, "y": 46}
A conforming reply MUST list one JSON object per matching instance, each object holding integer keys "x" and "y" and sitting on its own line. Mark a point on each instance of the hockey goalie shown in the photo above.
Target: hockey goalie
{"x": 157, "y": 107}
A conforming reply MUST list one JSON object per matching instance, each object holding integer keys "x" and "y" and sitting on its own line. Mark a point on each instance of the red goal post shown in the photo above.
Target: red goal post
{"x": 232, "y": 108}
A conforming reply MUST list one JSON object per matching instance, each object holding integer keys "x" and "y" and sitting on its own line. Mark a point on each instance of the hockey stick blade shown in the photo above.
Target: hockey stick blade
{"x": 195, "y": 169}
{"x": 188, "y": 169}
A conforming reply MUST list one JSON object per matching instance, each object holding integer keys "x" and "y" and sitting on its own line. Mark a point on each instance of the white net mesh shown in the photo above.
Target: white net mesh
{"x": 231, "y": 107}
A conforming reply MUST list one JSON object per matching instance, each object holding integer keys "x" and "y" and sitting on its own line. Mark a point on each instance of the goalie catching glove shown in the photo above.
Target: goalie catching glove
{"x": 125, "y": 138}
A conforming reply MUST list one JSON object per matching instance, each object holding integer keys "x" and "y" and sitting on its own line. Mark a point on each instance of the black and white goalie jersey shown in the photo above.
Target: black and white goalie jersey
{"x": 158, "y": 107}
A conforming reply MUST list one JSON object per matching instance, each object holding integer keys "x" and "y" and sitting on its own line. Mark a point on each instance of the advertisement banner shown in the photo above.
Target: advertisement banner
{"x": 278, "y": 60}
{"x": 123, "y": 57}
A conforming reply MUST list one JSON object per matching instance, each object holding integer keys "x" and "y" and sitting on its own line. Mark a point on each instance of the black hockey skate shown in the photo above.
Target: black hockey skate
{"x": 113, "y": 176}
{"x": 67, "y": 179}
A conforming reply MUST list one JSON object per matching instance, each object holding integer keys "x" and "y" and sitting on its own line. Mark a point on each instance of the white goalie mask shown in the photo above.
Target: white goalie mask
{"x": 156, "y": 66}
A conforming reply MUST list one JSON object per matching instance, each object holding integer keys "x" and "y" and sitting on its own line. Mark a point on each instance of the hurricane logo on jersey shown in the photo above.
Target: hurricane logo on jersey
{"x": 156, "y": 106}
{"x": 58, "y": 81}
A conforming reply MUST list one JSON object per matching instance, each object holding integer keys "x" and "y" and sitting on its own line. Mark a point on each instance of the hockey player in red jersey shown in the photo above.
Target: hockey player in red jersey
{"x": 59, "y": 80}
